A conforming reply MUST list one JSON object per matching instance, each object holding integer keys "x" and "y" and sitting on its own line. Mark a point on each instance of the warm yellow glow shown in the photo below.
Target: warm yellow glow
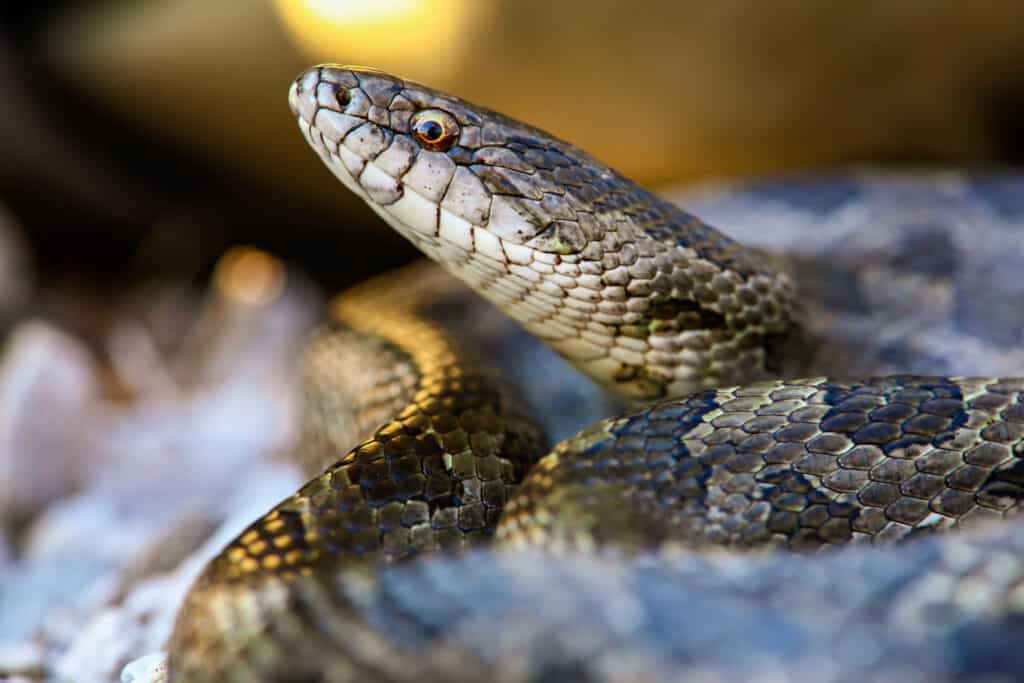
{"x": 422, "y": 39}
{"x": 362, "y": 10}
{"x": 249, "y": 276}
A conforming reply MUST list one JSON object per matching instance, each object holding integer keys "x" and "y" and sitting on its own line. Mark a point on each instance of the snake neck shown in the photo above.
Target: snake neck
{"x": 647, "y": 312}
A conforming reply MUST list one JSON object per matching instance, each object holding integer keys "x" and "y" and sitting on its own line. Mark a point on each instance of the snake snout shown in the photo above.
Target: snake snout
{"x": 340, "y": 121}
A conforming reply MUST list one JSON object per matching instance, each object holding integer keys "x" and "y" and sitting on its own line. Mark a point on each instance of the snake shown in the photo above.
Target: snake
{"x": 734, "y": 520}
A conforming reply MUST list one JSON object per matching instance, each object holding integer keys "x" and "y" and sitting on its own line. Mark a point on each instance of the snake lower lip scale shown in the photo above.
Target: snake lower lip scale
{"x": 652, "y": 304}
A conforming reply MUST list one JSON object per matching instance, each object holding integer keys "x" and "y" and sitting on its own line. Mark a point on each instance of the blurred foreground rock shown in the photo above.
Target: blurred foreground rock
{"x": 149, "y": 669}
{"x": 48, "y": 392}
{"x": 120, "y": 479}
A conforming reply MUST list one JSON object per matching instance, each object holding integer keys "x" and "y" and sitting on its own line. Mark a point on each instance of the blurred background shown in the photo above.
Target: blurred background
{"x": 150, "y": 134}
{"x": 167, "y": 238}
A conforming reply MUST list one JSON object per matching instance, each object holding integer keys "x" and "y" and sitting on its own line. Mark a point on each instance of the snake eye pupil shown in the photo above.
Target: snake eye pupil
{"x": 435, "y": 129}
{"x": 431, "y": 131}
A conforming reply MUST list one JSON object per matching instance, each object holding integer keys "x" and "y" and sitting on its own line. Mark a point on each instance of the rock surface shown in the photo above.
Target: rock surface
{"x": 120, "y": 481}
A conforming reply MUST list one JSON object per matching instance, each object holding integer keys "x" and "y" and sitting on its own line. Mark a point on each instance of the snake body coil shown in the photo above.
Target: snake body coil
{"x": 651, "y": 303}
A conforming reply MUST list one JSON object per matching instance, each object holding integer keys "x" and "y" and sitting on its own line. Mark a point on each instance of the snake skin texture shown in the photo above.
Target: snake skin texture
{"x": 799, "y": 464}
{"x": 645, "y": 547}
{"x": 434, "y": 476}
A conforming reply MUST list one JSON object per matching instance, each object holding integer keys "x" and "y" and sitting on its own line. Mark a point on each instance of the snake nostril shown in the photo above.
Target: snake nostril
{"x": 343, "y": 97}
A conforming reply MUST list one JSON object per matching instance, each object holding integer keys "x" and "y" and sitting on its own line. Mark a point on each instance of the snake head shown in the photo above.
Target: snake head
{"x": 637, "y": 293}
{"x": 446, "y": 172}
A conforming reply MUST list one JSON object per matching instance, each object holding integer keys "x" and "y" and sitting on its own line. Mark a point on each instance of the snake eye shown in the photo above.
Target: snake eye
{"x": 434, "y": 129}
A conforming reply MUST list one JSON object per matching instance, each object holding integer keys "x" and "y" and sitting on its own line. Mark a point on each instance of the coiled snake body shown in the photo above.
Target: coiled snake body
{"x": 609, "y": 570}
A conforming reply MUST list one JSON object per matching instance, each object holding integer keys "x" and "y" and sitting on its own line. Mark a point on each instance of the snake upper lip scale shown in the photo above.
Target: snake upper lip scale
{"x": 650, "y": 302}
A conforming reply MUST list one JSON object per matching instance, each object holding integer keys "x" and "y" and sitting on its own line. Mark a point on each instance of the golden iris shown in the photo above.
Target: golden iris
{"x": 434, "y": 129}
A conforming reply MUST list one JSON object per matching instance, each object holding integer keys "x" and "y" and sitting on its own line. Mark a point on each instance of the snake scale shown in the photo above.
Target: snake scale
{"x": 639, "y": 548}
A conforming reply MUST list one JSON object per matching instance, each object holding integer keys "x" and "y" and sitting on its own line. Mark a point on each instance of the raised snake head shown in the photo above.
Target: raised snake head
{"x": 637, "y": 293}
